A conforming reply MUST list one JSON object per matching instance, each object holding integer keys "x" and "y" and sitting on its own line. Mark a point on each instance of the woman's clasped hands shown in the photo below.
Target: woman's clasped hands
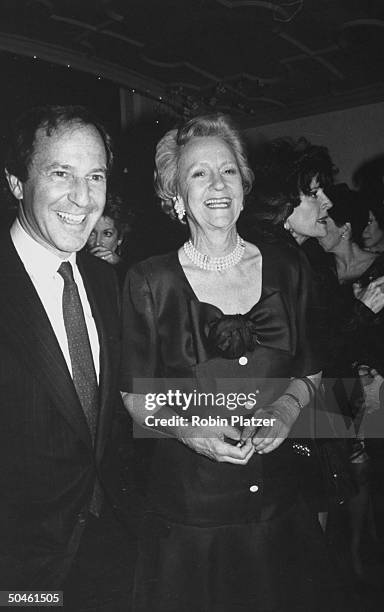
{"x": 222, "y": 443}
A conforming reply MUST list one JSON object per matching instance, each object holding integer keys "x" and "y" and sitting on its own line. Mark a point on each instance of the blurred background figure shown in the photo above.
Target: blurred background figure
{"x": 109, "y": 238}
{"x": 295, "y": 198}
{"x": 357, "y": 306}
{"x": 373, "y": 234}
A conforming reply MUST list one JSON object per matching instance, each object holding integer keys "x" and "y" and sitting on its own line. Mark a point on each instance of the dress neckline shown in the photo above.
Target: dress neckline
{"x": 184, "y": 278}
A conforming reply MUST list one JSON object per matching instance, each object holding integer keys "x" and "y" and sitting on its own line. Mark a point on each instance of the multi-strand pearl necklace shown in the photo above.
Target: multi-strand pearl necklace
{"x": 215, "y": 264}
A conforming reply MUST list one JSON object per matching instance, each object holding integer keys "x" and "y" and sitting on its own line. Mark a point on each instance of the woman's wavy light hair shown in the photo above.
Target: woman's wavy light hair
{"x": 170, "y": 148}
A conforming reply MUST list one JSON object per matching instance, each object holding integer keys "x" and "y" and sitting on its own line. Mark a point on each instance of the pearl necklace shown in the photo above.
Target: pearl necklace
{"x": 215, "y": 264}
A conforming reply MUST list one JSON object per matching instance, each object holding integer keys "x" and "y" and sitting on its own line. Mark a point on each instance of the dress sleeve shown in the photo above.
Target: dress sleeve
{"x": 140, "y": 350}
{"x": 308, "y": 357}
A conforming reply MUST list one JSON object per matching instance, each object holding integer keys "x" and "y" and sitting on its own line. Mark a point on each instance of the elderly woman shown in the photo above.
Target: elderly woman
{"x": 224, "y": 529}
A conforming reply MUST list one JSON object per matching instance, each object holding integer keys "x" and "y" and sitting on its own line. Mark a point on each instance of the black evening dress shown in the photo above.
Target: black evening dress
{"x": 219, "y": 537}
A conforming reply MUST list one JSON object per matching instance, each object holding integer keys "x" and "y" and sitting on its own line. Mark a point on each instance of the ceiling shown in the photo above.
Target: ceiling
{"x": 263, "y": 61}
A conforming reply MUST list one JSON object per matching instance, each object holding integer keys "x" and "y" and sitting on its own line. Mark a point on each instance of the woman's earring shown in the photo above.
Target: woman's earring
{"x": 287, "y": 226}
{"x": 179, "y": 208}
{"x": 344, "y": 233}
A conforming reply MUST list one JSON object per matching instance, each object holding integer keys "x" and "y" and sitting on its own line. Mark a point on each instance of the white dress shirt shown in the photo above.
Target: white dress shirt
{"x": 42, "y": 265}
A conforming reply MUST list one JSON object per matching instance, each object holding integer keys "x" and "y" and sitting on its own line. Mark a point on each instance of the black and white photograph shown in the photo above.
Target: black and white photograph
{"x": 192, "y": 305}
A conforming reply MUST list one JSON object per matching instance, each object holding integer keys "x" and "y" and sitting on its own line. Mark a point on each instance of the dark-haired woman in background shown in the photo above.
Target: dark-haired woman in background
{"x": 291, "y": 178}
{"x": 108, "y": 239}
{"x": 359, "y": 273}
{"x": 225, "y": 529}
{"x": 290, "y": 205}
{"x": 361, "y": 330}
{"x": 373, "y": 233}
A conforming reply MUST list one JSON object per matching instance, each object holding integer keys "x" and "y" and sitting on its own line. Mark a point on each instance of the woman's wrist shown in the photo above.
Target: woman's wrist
{"x": 287, "y": 408}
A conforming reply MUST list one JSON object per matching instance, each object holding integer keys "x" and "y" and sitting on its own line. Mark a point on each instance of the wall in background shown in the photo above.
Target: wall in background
{"x": 353, "y": 135}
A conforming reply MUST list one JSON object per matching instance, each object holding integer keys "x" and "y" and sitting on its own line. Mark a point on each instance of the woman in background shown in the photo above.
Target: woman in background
{"x": 373, "y": 234}
{"x": 108, "y": 239}
{"x": 290, "y": 206}
{"x": 358, "y": 273}
{"x": 292, "y": 178}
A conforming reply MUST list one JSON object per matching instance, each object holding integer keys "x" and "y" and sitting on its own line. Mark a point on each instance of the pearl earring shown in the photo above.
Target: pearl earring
{"x": 178, "y": 208}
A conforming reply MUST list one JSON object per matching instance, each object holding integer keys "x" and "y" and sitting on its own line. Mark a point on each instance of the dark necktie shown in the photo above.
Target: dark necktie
{"x": 83, "y": 370}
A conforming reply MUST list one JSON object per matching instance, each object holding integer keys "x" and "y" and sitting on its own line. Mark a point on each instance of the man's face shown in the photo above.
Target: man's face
{"x": 64, "y": 194}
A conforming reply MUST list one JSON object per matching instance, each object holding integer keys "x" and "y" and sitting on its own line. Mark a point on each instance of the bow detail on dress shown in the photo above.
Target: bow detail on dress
{"x": 231, "y": 336}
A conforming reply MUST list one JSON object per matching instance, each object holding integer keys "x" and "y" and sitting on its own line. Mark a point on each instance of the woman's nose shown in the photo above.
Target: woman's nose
{"x": 325, "y": 201}
{"x": 218, "y": 181}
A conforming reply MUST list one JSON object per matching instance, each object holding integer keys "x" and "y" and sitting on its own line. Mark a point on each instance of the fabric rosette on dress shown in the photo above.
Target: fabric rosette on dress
{"x": 234, "y": 338}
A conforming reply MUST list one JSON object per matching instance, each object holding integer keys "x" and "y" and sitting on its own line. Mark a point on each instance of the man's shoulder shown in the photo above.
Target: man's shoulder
{"x": 8, "y": 254}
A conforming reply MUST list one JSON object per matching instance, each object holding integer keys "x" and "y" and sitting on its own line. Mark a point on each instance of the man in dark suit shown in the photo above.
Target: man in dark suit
{"x": 59, "y": 348}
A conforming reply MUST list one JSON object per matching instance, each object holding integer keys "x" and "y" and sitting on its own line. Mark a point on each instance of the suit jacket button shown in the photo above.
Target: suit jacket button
{"x": 253, "y": 488}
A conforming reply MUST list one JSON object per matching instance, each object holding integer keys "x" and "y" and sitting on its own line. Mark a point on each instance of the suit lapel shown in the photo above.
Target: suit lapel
{"x": 25, "y": 324}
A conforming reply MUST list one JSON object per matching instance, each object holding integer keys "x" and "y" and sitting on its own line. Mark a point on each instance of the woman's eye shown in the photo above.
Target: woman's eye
{"x": 314, "y": 194}
{"x": 198, "y": 173}
{"x": 230, "y": 171}
{"x": 108, "y": 234}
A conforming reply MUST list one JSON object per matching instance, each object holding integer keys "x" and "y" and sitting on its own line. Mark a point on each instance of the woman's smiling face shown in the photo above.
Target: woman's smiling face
{"x": 210, "y": 183}
{"x": 310, "y": 217}
{"x": 373, "y": 235}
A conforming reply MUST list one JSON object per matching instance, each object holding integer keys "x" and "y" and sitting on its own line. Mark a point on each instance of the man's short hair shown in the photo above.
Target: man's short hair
{"x": 49, "y": 118}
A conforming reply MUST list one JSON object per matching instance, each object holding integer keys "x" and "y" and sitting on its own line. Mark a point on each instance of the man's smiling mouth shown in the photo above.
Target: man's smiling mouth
{"x": 71, "y": 219}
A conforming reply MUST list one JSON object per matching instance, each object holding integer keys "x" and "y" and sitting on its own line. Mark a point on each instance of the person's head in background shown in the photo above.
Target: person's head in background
{"x": 289, "y": 188}
{"x": 346, "y": 219}
{"x": 373, "y": 234}
{"x": 107, "y": 238}
{"x": 57, "y": 165}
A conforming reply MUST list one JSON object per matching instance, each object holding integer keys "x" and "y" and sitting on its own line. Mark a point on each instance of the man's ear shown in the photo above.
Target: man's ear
{"x": 15, "y": 185}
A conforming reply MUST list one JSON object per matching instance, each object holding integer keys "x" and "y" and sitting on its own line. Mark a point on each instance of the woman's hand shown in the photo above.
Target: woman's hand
{"x": 281, "y": 416}
{"x": 106, "y": 254}
{"x": 222, "y": 444}
{"x": 212, "y": 442}
{"x": 371, "y": 296}
{"x": 373, "y": 389}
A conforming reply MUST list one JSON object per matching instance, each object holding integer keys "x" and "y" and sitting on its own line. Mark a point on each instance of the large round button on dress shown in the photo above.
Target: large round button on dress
{"x": 253, "y": 488}
{"x": 243, "y": 360}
